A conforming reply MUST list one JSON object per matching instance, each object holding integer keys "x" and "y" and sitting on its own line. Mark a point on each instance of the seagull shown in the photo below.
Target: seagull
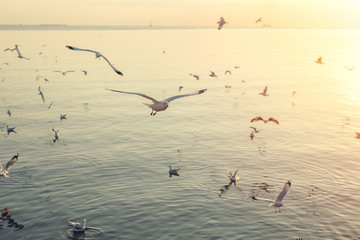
{"x": 50, "y": 105}
{"x": 10, "y": 129}
{"x": 319, "y": 61}
{"x": 85, "y": 72}
{"x": 293, "y": 93}
{"x": 63, "y": 73}
{"x": 180, "y": 87}
{"x": 19, "y": 54}
{"x": 8, "y": 166}
{"x": 9, "y": 113}
{"x": 255, "y": 130}
{"x": 357, "y": 134}
{"x": 173, "y": 171}
{"x": 232, "y": 177}
{"x": 78, "y": 227}
{"x": 264, "y": 93}
{"x": 227, "y": 71}
{"x": 62, "y": 116}
{"x": 278, "y": 202}
{"x": 350, "y": 69}
{"x": 195, "y": 76}
{"x": 221, "y": 23}
{"x": 41, "y": 94}
{"x": 56, "y": 137}
{"x": 236, "y": 67}
{"x": 258, "y": 20}
{"x": 158, "y": 106}
{"x": 212, "y": 74}
{"x": 39, "y": 76}
{"x": 264, "y": 120}
{"x": 97, "y": 55}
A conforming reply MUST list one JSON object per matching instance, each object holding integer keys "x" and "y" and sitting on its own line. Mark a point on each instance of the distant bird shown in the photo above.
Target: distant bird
{"x": 19, "y": 54}
{"x": 232, "y": 177}
{"x": 264, "y": 120}
{"x": 236, "y": 67}
{"x": 293, "y": 93}
{"x": 319, "y": 61}
{"x": 227, "y": 86}
{"x": 78, "y": 227}
{"x": 195, "y": 76}
{"x": 255, "y": 130}
{"x": 350, "y": 69}
{"x": 63, "y": 73}
{"x": 97, "y": 55}
{"x": 278, "y": 202}
{"x": 252, "y": 134}
{"x": 180, "y": 87}
{"x": 221, "y": 23}
{"x": 9, "y": 112}
{"x": 8, "y": 166}
{"x": 212, "y": 74}
{"x": 62, "y": 116}
{"x": 264, "y": 93}
{"x": 227, "y": 72}
{"x": 45, "y": 79}
{"x": 158, "y": 106}
{"x": 56, "y": 136}
{"x": 357, "y": 135}
{"x": 10, "y": 129}
{"x": 173, "y": 171}
{"x": 41, "y": 94}
{"x": 258, "y": 20}
{"x": 85, "y": 72}
{"x": 50, "y": 105}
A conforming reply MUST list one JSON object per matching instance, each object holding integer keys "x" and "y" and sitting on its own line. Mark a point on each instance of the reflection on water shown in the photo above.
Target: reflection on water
{"x": 6, "y": 217}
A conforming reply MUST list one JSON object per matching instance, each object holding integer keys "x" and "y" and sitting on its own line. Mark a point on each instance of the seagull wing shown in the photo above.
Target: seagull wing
{"x": 283, "y": 192}
{"x": 263, "y": 199}
{"x": 236, "y": 172}
{"x": 17, "y": 49}
{"x": 273, "y": 120}
{"x": 254, "y": 129}
{"x": 256, "y": 119}
{"x": 117, "y": 71}
{"x": 11, "y": 162}
{"x": 184, "y": 95}
{"x": 265, "y": 90}
{"x": 140, "y": 94}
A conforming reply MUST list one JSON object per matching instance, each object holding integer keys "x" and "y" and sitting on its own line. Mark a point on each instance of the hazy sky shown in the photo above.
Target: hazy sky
{"x": 277, "y": 13}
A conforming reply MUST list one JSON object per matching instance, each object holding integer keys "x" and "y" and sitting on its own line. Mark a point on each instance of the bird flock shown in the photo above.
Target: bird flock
{"x": 156, "y": 106}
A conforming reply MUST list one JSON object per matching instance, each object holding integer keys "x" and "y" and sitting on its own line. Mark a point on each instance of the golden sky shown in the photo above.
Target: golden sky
{"x": 239, "y": 13}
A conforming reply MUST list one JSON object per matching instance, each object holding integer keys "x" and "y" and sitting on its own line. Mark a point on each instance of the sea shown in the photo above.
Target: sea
{"x": 111, "y": 162}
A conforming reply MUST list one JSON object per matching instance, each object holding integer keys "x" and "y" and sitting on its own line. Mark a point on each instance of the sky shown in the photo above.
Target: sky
{"x": 239, "y": 13}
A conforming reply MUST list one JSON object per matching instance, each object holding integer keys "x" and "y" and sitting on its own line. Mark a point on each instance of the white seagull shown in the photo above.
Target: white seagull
{"x": 173, "y": 171}
{"x": 221, "y": 23}
{"x": 97, "y": 55}
{"x": 158, "y": 106}
{"x": 9, "y": 130}
{"x": 19, "y": 54}
{"x": 56, "y": 136}
{"x": 264, "y": 93}
{"x": 9, "y": 112}
{"x": 227, "y": 72}
{"x": 258, "y": 20}
{"x": 232, "y": 177}
{"x": 63, "y": 73}
{"x": 10, "y": 49}
{"x": 195, "y": 76}
{"x": 278, "y": 202}
{"x": 85, "y": 72}
{"x": 78, "y": 227}
{"x": 350, "y": 68}
{"x": 265, "y": 120}
{"x": 8, "y": 166}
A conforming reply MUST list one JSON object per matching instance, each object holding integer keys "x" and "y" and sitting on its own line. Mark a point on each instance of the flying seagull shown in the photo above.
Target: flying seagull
{"x": 56, "y": 136}
{"x": 8, "y": 166}
{"x": 63, "y": 73}
{"x": 258, "y": 20}
{"x": 10, "y": 129}
{"x": 350, "y": 68}
{"x": 85, "y": 72}
{"x": 319, "y": 61}
{"x": 78, "y": 227}
{"x": 264, "y": 93}
{"x": 212, "y": 74}
{"x": 62, "y": 116}
{"x": 9, "y": 112}
{"x": 19, "y": 54}
{"x": 232, "y": 177}
{"x": 41, "y": 94}
{"x": 264, "y": 120}
{"x": 97, "y": 55}
{"x": 221, "y": 23}
{"x": 278, "y": 202}
{"x": 173, "y": 171}
{"x": 195, "y": 76}
{"x": 180, "y": 87}
{"x": 158, "y": 106}
{"x": 227, "y": 71}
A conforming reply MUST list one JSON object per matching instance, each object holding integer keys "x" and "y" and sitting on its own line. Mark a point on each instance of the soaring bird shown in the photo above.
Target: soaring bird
{"x": 10, "y": 129}
{"x": 232, "y": 177}
{"x": 62, "y": 116}
{"x": 350, "y": 68}
{"x": 195, "y": 76}
{"x": 264, "y": 93}
{"x": 158, "y": 106}
{"x": 8, "y": 166}
{"x": 173, "y": 171}
{"x": 41, "y": 94}
{"x": 319, "y": 61}
{"x": 258, "y": 20}
{"x": 265, "y": 120}
{"x": 212, "y": 74}
{"x": 78, "y": 227}
{"x": 278, "y": 202}
{"x": 221, "y": 23}
{"x": 227, "y": 72}
{"x": 97, "y": 55}
{"x": 63, "y": 73}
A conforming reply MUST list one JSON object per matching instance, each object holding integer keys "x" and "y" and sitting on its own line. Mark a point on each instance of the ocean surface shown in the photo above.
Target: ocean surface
{"x": 110, "y": 164}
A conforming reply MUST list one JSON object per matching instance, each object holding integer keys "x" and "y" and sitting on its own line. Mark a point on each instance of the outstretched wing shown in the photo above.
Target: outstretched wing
{"x": 11, "y": 162}
{"x": 283, "y": 192}
{"x": 140, "y": 94}
{"x": 117, "y": 71}
{"x": 256, "y": 119}
{"x": 184, "y": 95}
{"x": 265, "y": 90}
{"x": 273, "y": 120}
{"x": 263, "y": 199}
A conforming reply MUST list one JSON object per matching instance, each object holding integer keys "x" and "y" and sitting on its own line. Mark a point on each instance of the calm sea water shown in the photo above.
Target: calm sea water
{"x": 111, "y": 163}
